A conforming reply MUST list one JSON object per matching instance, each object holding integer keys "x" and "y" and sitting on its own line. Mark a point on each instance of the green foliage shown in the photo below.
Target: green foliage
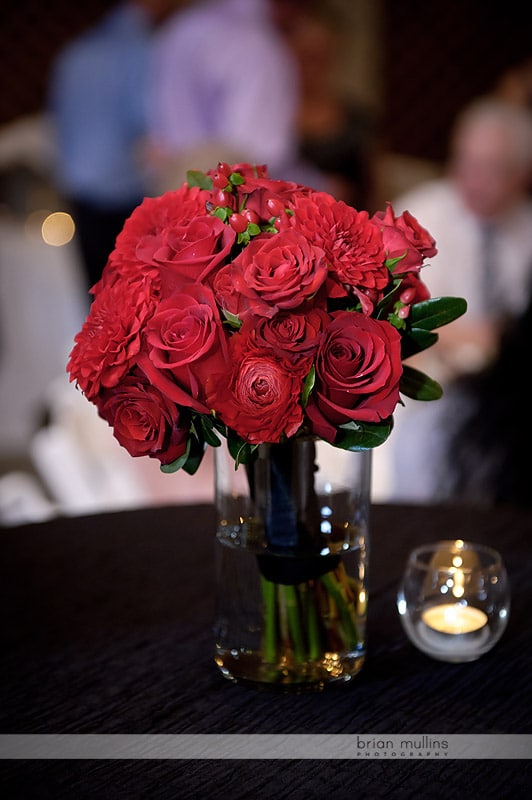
{"x": 436, "y": 312}
{"x": 233, "y": 320}
{"x": 418, "y": 386}
{"x": 208, "y": 430}
{"x": 308, "y": 386}
{"x": 197, "y": 178}
{"x": 415, "y": 340}
{"x": 222, "y": 213}
{"x": 424, "y": 318}
{"x": 236, "y": 179}
{"x": 190, "y": 460}
{"x": 245, "y": 237}
{"x": 390, "y": 263}
{"x": 241, "y": 451}
{"x": 363, "y": 435}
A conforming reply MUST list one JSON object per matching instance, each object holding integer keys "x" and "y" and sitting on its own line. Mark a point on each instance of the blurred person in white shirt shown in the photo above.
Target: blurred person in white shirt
{"x": 480, "y": 213}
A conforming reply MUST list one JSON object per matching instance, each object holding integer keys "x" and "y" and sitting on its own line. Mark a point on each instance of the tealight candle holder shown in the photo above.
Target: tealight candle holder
{"x": 454, "y": 599}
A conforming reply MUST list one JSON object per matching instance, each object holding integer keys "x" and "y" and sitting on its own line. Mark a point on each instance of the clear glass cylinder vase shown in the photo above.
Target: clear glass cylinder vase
{"x": 292, "y": 547}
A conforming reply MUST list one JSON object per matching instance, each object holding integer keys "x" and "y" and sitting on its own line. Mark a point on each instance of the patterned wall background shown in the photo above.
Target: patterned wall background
{"x": 31, "y": 32}
{"x": 420, "y": 61}
{"x": 438, "y": 56}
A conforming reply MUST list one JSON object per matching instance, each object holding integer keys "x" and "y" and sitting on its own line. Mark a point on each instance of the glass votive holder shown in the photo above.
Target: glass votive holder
{"x": 454, "y": 599}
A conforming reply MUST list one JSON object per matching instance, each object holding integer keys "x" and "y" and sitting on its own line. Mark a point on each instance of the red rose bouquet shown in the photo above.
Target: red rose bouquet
{"x": 272, "y": 316}
{"x": 257, "y": 310}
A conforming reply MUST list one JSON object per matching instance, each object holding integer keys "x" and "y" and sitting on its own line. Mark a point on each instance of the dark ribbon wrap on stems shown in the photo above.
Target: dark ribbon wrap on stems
{"x": 282, "y": 487}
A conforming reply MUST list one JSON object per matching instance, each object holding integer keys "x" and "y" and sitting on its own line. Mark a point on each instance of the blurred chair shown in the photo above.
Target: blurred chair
{"x": 22, "y": 500}
{"x": 43, "y": 299}
{"x": 85, "y": 470}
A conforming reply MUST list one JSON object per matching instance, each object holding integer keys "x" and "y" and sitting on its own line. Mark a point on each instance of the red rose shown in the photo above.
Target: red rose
{"x": 175, "y": 233}
{"x": 358, "y": 368}
{"x": 353, "y": 246}
{"x": 269, "y": 198}
{"x": 404, "y": 238}
{"x": 260, "y": 397}
{"x": 144, "y": 421}
{"x": 226, "y": 294}
{"x": 278, "y": 271}
{"x": 292, "y": 338}
{"x": 249, "y": 170}
{"x": 417, "y": 235}
{"x": 110, "y": 339}
{"x": 185, "y": 338}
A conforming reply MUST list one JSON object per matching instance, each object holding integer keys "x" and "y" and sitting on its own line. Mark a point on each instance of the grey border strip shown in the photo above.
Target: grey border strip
{"x": 265, "y": 746}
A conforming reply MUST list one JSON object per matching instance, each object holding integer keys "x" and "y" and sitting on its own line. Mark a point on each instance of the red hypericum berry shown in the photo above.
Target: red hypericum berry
{"x": 407, "y": 296}
{"x": 223, "y": 168}
{"x": 274, "y": 206}
{"x": 403, "y": 312}
{"x": 222, "y": 198}
{"x": 219, "y": 180}
{"x": 238, "y": 222}
{"x": 251, "y": 216}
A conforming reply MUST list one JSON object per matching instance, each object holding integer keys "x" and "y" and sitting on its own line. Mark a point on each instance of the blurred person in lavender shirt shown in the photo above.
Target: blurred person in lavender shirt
{"x": 224, "y": 86}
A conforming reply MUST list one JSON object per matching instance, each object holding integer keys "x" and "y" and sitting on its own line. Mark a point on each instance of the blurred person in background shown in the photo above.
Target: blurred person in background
{"x": 489, "y": 437}
{"x": 337, "y": 135}
{"x": 480, "y": 214}
{"x": 97, "y": 104}
{"x": 225, "y": 87}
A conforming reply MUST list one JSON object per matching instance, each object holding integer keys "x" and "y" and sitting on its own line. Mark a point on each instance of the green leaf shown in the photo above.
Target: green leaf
{"x": 240, "y": 450}
{"x": 174, "y": 466}
{"x": 221, "y": 213}
{"x": 207, "y": 429}
{"x": 179, "y": 462}
{"x": 382, "y": 310}
{"x": 308, "y": 386}
{"x": 363, "y": 435}
{"x": 418, "y": 386}
{"x": 232, "y": 319}
{"x": 197, "y": 178}
{"x": 437, "y": 311}
{"x": 415, "y": 340}
{"x": 236, "y": 179}
{"x": 253, "y": 229}
{"x": 193, "y": 461}
{"x": 391, "y": 262}
{"x": 396, "y": 321}
{"x": 193, "y": 455}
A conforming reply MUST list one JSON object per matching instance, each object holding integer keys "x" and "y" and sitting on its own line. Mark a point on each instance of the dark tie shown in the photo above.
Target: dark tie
{"x": 490, "y": 278}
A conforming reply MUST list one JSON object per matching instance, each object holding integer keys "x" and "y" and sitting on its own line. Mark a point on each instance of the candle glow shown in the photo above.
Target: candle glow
{"x": 454, "y": 618}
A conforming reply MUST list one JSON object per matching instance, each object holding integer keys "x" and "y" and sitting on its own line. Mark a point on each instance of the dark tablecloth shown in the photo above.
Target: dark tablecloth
{"x": 105, "y": 628}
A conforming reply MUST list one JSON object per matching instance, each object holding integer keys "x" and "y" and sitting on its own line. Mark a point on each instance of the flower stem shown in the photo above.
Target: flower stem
{"x": 289, "y": 594}
{"x": 270, "y": 638}
{"x": 313, "y": 624}
{"x": 344, "y": 608}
